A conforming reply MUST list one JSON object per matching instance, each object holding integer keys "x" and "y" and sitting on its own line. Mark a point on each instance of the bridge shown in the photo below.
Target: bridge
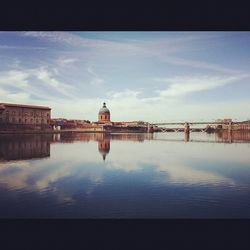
{"x": 151, "y": 127}
{"x": 192, "y": 123}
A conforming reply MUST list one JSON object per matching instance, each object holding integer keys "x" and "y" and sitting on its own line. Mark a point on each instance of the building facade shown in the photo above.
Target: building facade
{"x": 18, "y": 116}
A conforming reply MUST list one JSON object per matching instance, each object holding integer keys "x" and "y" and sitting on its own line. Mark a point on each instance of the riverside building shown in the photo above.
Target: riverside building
{"x": 24, "y": 117}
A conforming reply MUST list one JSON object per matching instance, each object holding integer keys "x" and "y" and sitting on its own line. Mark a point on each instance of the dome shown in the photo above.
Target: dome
{"x": 104, "y": 109}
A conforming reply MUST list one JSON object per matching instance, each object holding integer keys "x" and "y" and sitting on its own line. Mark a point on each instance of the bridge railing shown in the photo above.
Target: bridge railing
{"x": 193, "y": 123}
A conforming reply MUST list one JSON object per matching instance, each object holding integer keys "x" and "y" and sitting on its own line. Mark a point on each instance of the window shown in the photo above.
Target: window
{"x": 36, "y": 120}
{"x": 20, "y": 120}
{"x": 13, "y": 119}
{"x": 42, "y": 120}
{"x": 31, "y": 120}
{"x": 25, "y": 120}
{"x": 48, "y": 121}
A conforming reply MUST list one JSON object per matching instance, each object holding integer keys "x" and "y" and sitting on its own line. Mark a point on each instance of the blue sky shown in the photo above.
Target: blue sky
{"x": 150, "y": 76}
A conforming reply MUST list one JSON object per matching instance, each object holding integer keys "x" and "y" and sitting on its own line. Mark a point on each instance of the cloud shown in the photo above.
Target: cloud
{"x": 64, "y": 61}
{"x": 164, "y": 49}
{"x": 47, "y": 77}
{"x": 16, "y": 77}
{"x": 20, "y": 85}
{"x": 198, "y": 64}
{"x": 183, "y": 85}
{"x": 96, "y": 80}
{"x": 21, "y": 47}
{"x": 69, "y": 39}
{"x": 126, "y": 94}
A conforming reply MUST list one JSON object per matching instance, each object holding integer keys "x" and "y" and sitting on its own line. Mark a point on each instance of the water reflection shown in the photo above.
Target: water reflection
{"x": 125, "y": 175}
{"x": 233, "y": 136}
{"x": 104, "y": 147}
{"x": 21, "y": 147}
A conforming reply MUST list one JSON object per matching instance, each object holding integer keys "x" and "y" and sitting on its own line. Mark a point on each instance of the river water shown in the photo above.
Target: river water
{"x": 160, "y": 175}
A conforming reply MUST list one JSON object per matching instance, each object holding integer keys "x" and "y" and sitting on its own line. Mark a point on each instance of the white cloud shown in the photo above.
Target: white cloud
{"x": 20, "y": 47}
{"x": 198, "y": 64}
{"x": 183, "y": 85}
{"x": 96, "y": 79}
{"x": 62, "y": 61}
{"x": 26, "y": 83}
{"x": 73, "y": 40}
{"x": 15, "y": 77}
{"x": 164, "y": 49}
{"x": 126, "y": 94}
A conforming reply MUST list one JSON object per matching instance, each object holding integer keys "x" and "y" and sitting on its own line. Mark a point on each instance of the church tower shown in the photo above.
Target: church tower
{"x": 104, "y": 114}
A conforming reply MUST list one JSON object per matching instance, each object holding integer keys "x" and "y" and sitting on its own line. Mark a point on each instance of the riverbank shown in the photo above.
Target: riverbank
{"x": 112, "y": 131}
{"x": 68, "y": 131}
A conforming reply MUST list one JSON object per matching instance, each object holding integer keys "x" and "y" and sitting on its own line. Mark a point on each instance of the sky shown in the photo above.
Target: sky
{"x": 148, "y": 76}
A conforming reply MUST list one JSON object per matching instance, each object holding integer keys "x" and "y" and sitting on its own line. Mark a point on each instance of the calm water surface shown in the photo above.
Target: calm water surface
{"x": 161, "y": 175}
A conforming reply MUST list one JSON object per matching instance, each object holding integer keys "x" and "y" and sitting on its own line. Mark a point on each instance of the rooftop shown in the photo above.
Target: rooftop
{"x": 2, "y": 105}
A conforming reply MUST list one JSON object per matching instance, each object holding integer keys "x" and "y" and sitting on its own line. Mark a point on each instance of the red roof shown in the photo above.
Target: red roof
{"x": 24, "y": 106}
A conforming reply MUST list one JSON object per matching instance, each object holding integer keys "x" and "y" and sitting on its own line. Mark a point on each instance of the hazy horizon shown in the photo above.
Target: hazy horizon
{"x": 150, "y": 76}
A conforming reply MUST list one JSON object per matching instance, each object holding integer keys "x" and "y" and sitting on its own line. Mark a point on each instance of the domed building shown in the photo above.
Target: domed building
{"x": 104, "y": 114}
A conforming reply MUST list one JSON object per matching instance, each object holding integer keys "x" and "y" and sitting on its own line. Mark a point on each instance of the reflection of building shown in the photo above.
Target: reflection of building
{"x": 21, "y": 147}
{"x": 233, "y": 136}
{"x": 19, "y": 116}
{"x": 104, "y": 147}
{"x": 71, "y": 137}
{"x": 104, "y": 114}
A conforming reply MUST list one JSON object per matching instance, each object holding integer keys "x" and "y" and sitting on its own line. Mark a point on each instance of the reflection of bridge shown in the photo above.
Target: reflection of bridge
{"x": 201, "y": 141}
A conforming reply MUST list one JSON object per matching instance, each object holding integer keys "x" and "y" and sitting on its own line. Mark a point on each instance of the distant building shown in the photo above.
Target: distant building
{"x": 224, "y": 120}
{"x": 16, "y": 116}
{"x": 104, "y": 114}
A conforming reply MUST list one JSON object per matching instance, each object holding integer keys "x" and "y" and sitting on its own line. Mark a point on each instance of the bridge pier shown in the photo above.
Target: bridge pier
{"x": 230, "y": 126}
{"x": 186, "y": 127}
{"x": 150, "y": 129}
{"x": 230, "y": 136}
{"x": 187, "y": 137}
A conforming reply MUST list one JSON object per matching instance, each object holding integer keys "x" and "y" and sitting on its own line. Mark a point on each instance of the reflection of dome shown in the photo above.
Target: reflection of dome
{"x": 104, "y": 114}
{"x": 104, "y": 148}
